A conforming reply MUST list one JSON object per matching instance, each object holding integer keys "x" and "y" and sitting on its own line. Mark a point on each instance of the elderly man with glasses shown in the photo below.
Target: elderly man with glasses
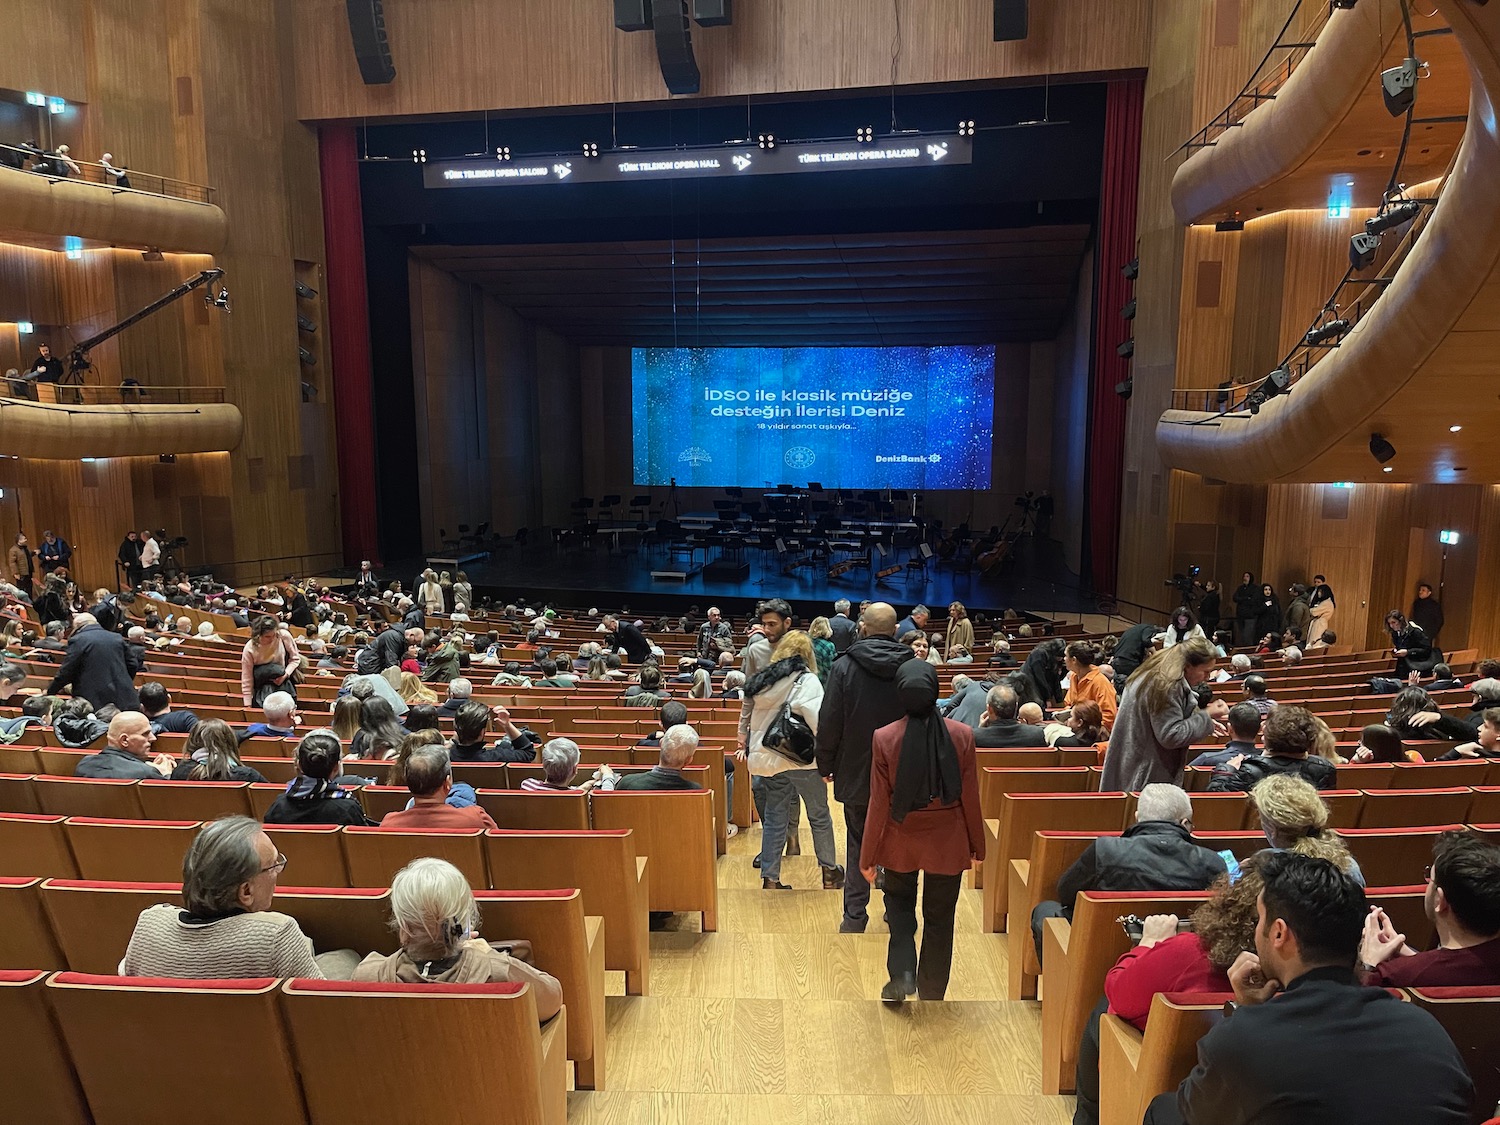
{"x": 225, "y": 927}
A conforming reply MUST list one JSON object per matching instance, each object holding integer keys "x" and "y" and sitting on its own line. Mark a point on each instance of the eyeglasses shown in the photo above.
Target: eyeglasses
{"x": 276, "y": 868}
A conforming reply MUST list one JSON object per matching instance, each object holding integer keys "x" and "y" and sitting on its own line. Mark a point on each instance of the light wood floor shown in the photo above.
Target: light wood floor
{"x": 775, "y": 1019}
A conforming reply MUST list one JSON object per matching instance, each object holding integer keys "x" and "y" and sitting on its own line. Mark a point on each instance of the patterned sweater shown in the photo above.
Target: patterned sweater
{"x": 265, "y": 944}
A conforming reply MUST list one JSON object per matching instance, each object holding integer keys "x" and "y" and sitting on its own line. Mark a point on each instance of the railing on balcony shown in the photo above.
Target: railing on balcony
{"x": 1292, "y": 44}
{"x": 74, "y": 394}
{"x": 108, "y": 177}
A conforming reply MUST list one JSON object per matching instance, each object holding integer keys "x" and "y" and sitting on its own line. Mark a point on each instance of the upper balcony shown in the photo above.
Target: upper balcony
{"x": 68, "y": 422}
{"x": 144, "y": 212}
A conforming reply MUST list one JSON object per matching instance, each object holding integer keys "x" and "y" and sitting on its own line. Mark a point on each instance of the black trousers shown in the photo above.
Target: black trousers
{"x": 1051, "y": 908}
{"x": 1163, "y": 1110}
{"x": 856, "y": 889}
{"x": 939, "y": 900}
{"x": 1087, "y": 1078}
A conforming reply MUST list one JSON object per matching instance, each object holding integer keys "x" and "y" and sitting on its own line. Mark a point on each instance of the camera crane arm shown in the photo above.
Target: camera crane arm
{"x": 78, "y": 357}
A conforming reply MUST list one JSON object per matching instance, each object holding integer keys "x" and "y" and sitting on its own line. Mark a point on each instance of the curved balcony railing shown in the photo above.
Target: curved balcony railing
{"x": 70, "y": 431}
{"x": 125, "y": 394}
{"x": 49, "y": 164}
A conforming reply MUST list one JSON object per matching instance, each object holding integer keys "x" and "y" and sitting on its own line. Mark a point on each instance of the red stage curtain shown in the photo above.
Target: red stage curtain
{"x": 1116, "y": 246}
{"x": 349, "y": 339}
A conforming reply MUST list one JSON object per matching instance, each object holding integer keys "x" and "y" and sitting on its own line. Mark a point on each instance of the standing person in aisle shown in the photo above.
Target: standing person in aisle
{"x": 1320, "y": 601}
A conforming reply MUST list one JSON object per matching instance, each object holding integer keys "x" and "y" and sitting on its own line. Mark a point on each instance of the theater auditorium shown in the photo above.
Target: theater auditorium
{"x": 920, "y": 562}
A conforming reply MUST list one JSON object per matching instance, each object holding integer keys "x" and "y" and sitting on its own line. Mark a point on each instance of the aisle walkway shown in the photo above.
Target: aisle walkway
{"x": 774, "y": 1020}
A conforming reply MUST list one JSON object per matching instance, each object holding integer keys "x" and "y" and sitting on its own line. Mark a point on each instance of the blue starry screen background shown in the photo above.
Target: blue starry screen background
{"x": 752, "y": 417}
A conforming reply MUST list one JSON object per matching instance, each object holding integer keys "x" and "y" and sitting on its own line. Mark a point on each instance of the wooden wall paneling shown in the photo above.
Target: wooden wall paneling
{"x": 1316, "y": 255}
{"x": 1256, "y": 308}
{"x": 1300, "y": 542}
{"x": 560, "y": 422}
{"x": 43, "y": 53}
{"x": 1205, "y": 339}
{"x": 514, "y": 440}
{"x": 131, "y": 90}
{"x": 1484, "y": 614}
{"x": 184, "y": 66}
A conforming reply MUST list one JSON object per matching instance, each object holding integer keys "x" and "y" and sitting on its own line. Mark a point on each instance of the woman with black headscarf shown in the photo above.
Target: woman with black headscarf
{"x": 923, "y": 816}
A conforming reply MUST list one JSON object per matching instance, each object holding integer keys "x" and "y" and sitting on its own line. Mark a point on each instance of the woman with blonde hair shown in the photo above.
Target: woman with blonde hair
{"x": 820, "y": 632}
{"x": 960, "y": 629}
{"x": 1295, "y": 819}
{"x": 213, "y": 754}
{"x": 430, "y": 593}
{"x": 413, "y": 690}
{"x": 345, "y": 719}
{"x": 437, "y": 922}
{"x": 1160, "y": 716}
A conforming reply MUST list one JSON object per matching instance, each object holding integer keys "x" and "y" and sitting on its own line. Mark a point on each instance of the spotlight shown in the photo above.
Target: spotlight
{"x": 864, "y": 135}
{"x": 309, "y": 392}
{"x": 1328, "y": 330}
{"x": 1380, "y": 449}
{"x": 1126, "y": 350}
{"x": 1399, "y": 86}
{"x": 1125, "y": 387}
{"x": 307, "y": 358}
{"x": 591, "y": 150}
{"x": 766, "y": 141}
{"x": 1393, "y": 215}
{"x": 151, "y": 255}
{"x": 1362, "y": 247}
{"x": 1132, "y": 269}
{"x": 306, "y": 292}
{"x": 966, "y": 128}
{"x": 1128, "y": 309}
{"x": 419, "y": 156}
{"x": 306, "y": 324}
{"x": 503, "y": 152}
{"x": 1276, "y": 383}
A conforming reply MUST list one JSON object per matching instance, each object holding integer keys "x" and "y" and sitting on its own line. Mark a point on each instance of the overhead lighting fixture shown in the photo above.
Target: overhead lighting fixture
{"x": 1132, "y": 269}
{"x": 864, "y": 135}
{"x": 1380, "y": 449}
{"x": 1344, "y": 5}
{"x": 1325, "y": 332}
{"x": 1398, "y": 86}
{"x": 1362, "y": 249}
{"x": 152, "y": 255}
{"x": 25, "y": 327}
{"x": 33, "y": 97}
{"x": 503, "y": 152}
{"x": 1388, "y": 469}
{"x": 766, "y": 141}
{"x": 1448, "y": 538}
{"x": 1393, "y": 214}
{"x": 1225, "y": 226}
{"x": 591, "y": 150}
{"x": 1454, "y": 429}
{"x": 1276, "y": 383}
{"x": 1126, "y": 350}
{"x": 419, "y": 156}
{"x": 966, "y": 128}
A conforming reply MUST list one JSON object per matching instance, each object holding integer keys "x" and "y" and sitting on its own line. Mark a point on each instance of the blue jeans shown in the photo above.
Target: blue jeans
{"x": 782, "y": 792}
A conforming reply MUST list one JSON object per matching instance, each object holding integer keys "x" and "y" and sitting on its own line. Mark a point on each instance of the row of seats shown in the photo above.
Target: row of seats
{"x": 107, "y": 1050}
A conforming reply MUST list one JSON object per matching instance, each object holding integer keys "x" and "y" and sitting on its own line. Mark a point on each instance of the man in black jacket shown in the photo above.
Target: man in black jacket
{"x": 845, "y": 632}
{"x": 156, "y": 705}
{"x": 624, "y": 634}
{"x": 1427, "y": 612}
{"x": 99, "y": 665}
{"x": 1156, "y": 853}
{"x": 128, "y": 752}
{"x": 858, "y": 700}
{"x": 1130, "y": 653}
{"x": 1304, "y": 1043}
{"x": 999, "y": 727}
{"x": 1291, "y": 734}
{"x": 470, "y": 726}
{"x": 390, "y": 647}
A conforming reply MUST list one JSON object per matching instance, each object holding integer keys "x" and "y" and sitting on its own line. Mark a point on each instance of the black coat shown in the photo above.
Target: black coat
{"x": 1360, "y": 1056}
{"x": 1208, "y": 613}
{"x": 1008, "y": 736}
{"x": 1247, "y": 602}
{"x": 858, "y": 699}
{"x": 389, "y": 648}
{"x": 1130, "y": 653}
{"x": 101, "y": 668}
{"x": 1420, "y": 654}
{"x": 1152, "y": 855}
{"x": 1267, "y": 614}
{"x": 1042, "y": 670}
{"x": 1428, "y": 614}
{"x": 114, "y": 762}
{"x": 1317, "y": 772}
{"x": 633, "y": 641}
{"x": 845, "y": 632}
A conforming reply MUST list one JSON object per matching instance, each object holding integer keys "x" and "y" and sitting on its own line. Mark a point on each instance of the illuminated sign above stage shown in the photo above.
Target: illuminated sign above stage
{"x": 915, "y": 151}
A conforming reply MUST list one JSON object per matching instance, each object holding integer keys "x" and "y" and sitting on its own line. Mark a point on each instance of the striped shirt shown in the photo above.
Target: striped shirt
{"x": 264, "y": 944}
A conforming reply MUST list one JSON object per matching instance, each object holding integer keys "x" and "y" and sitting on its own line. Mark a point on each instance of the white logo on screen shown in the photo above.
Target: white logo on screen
{"x": 799, "y": 457}
{"x": 695, "y": 455}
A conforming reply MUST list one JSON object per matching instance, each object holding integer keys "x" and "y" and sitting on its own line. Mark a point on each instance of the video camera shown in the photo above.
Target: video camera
{"x": 1187, "y": 585}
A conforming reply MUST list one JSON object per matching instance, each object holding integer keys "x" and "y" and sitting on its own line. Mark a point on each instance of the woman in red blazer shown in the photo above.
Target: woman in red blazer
{"x": 923, "y": 816}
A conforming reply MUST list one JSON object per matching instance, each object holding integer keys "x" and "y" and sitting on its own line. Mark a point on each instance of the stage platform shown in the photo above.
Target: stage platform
{"x": 1036, "y": 580}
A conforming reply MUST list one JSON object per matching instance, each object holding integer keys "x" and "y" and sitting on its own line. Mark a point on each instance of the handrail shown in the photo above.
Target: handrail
{"x": 1262, "y": 85}
{"x": 112, "y": 177}
{"x": 73, "y": 394}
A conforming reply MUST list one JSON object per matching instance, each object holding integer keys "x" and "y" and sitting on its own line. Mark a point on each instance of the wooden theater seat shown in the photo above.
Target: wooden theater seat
{"x": 193, "y": 800}
{"x": 94, "y": 918}
{"x": 35, "y": 844}
{"x": 36, "y": 1072}
{"x": 17, "y": 794}
{"x": 1470, "y": 1017}
{"x": 674, "y": 828}
{"x": 1135, "y": 1067}
{"x": 88, "y": 796}
{"x": 1029, "y": 883}
{"x": 1486, "y": 806}
{"x": 1396, "y": 808}
{"x": 521, "y": 809}
{"x": 570, "y": 946}
{"x": 1439, "y": 775}
{"x": 314, "y": 854}
{"x": 1022, "y": 815}
{"x": 1393, "y": 857}
{"x": 604, "y": 867}
{"x": 498, "y": 1067}
{"x": 357, "y": 918}
{"x": 138, "y": 850}
{"x": 378, "y": 800}
{"x": 26, "y": 937}
{"x": 236, "y": 1067}
{"x": 376, "y": 854}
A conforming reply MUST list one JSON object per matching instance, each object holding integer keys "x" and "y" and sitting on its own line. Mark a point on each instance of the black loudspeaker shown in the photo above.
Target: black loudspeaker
{"x": 674, "y": 46}
{"x": 633, "y": 15}
{"x": 713, "y": 13}
{"x": 371, "y": 48}
{"x": 1011, "y": 20}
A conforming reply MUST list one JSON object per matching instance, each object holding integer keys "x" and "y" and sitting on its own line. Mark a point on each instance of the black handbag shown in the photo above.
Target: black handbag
{"x": 789, "y": 735}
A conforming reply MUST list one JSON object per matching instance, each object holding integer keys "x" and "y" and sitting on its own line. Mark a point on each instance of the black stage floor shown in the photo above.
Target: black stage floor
{"x": 1035, "y": 580}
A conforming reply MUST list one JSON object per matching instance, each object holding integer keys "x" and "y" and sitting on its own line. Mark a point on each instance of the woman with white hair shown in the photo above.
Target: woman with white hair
{"x": 437, "y": 922}
{"x": 206, "y": 633}
{"x": 559, "y": 765}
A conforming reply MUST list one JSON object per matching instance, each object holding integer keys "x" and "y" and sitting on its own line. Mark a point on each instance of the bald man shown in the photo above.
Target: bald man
{"x": 99, "y": 666}
{"x": 858, "y": 700}
{"x": 127, "y": 752}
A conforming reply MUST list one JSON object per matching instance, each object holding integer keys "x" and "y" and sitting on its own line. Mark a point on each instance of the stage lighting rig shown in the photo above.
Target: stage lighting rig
{"x": 766, "y": 141}
{"x": 865, "y": 135}
{"x": 1126, "y": 350}
{"x": 419, "y": 156}
{"x": 1398, "y": 85}
{"x": 966, "y": 128}
{"x": 1276, "y": 383}
{"x": 1362, "y": 248}
{"x": 503, "y": 152}
{"x": 1330, "y": 327}
{"x": 1131, "y": 269}
{"x": 1125, "y": 387}
{"x": 591, "y": 150}
{"x": 219, "y": 300}
{"x": 1394, "y": 212}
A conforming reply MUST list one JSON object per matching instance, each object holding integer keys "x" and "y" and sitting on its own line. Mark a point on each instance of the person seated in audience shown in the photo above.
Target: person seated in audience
{"x": 1324, "y": 640}
{"x": 429, "y": 776}
{"x": 1463, "y": 904}
{"x": 413, "y": 690}
{"x": 552, "y": 677}
{"x": 510, "y": 675}
{"x": 1244, "y": 732}
{"x": 1486, "y": 743}
{"x": 333, "y": 660}
{"x": 472, "y": 724}
{"x": 76, "y": 725}
{"x": 1296, "y": 992}
{"x": 1379, "y": 743}
{"x": 1415, "y": 714}
{"x": 459, "y": 692}
{"x": 1443, "y": 678}
{"x": 1000, "y": 656}
{"x": 156, "y": 705}
{"x": 1291, "y": 656}
{"x": 225, "y": 928}
{"x": 649, "y": 691}
{"x": 1255, "y": 695}
{"x": 734, "y": 685}
{"x": 206, "y": 633}
{"x": 1239, "y": 668}
{"x": 379, "y": 732}
{"x": 678, "y": 745}
{"x": 421, "y": 716}
{"x": 1084, "y": 726}
{"x": 1291, "y": 736}
{"x": 1486, "y": 694}
{"x": 442, "y": 657}
{"x": 437, "y": 923}
{"x": 1295, "y": 819}
{"x": 54, "y": 638}
{"x": 967, "y": 702}
{"x": 1156, "y": 853}
{"x": 127, "y": 752}
{"x": 560, "y": 764}
{"x": 36, "y": 711}
{"x": 1168, "y": 960}
{"x": 1001, "y": 725}
{"x": 1030, "y": 714}
{"x": 314, "y": 795}
{"x": 213, "y": 754}
{"x": 280, "y": 718}
{"x": 1085, "y": 681}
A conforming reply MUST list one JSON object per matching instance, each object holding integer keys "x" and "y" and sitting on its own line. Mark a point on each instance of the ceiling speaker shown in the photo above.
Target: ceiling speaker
{"x": 1011, "y": 20}
{"x": 371, "y": 48}
{"x": 674, "y": 46}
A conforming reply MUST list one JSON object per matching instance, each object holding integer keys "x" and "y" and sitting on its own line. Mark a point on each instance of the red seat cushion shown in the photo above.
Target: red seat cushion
{"x": 109, "y": 885}
{"x": 500, "y": 988}
{"x": 92, "y": 980}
